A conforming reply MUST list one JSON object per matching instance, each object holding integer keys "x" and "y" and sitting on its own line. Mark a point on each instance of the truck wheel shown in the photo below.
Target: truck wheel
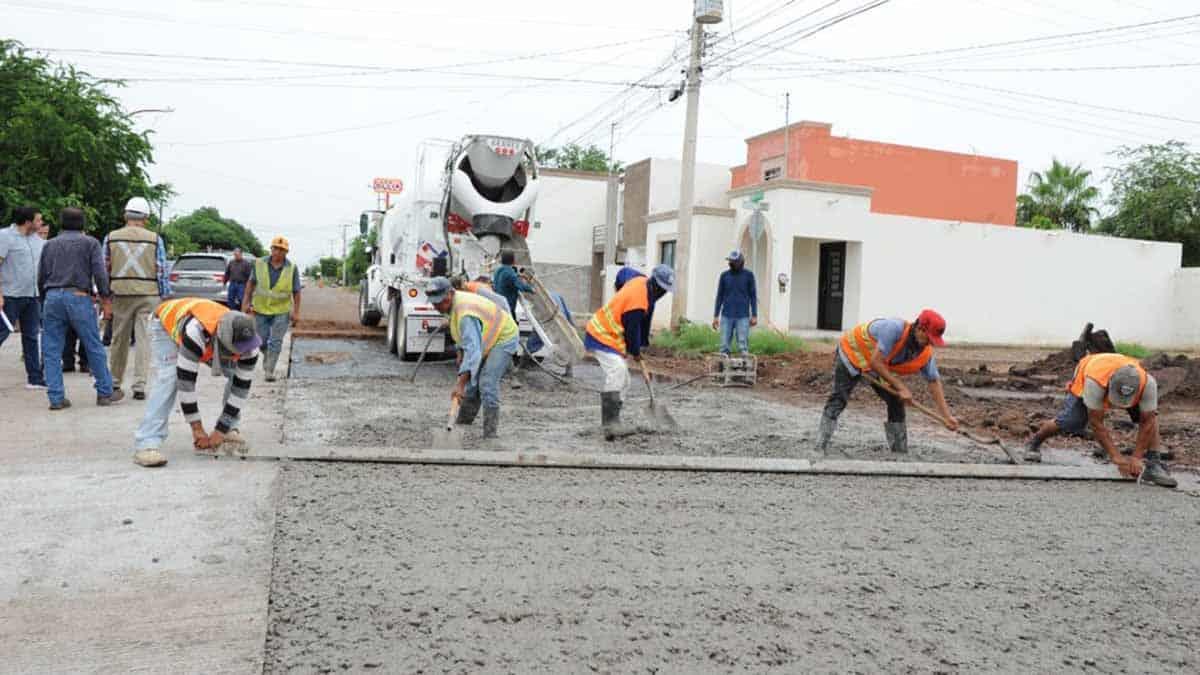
{"x": 366, "y": 316}
{"x": 394, "y": 320}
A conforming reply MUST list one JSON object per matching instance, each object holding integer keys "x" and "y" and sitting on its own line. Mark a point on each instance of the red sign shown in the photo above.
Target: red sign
{"x": 389, "y": 185}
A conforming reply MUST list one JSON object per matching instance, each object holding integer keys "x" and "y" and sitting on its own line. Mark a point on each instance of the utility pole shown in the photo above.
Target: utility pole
{"x": 610, "y": 208}
{"x": 687, "y": 183}
{"x": 345, "y": 272}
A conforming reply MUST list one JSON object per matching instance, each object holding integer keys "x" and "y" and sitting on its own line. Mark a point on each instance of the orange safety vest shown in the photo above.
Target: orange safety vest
{"x": 1100, "y": 367}
{"x": 606, "y": 327}
{"x": 473, "y": 286}
{"x": 173, "y": 312}
{"x": 858, "y": 345}
{"x": 498, "y": 325}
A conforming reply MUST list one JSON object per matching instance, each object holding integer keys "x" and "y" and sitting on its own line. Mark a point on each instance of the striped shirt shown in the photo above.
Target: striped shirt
{"x": 187, "y": 368}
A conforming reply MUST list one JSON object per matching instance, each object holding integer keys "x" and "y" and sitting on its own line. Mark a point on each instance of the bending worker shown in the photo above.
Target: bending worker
{"x": 620, "y": 328}
{"x": 486, "y": 338}
{"x": 887, "y": 348}
{"x": 183, "y": 334}
{"x": 1111, "y": 380}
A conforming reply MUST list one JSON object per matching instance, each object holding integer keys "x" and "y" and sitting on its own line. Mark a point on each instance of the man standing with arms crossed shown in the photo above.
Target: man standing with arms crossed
{"x": 136, "y": 260}
{"x": 273, "y": 299}
{"x": 20, "y": 251}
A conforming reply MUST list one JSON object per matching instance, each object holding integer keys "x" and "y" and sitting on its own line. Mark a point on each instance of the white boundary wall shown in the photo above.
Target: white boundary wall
{"x": 994, "y": 284}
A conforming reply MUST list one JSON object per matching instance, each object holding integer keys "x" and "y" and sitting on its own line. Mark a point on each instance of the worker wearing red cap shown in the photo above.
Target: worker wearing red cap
{"x": 887, "y": 349}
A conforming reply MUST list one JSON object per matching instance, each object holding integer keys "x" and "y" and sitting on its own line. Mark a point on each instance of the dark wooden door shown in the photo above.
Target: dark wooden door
{"x": 831, "y": 286}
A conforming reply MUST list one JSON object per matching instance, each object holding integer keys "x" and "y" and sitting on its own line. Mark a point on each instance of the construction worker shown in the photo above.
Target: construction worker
{"x": 273, "y": 299}
{"x": 623, "y": 275}
{"x": 1102, "y": 381}
{"x": 736, "y": 308}
{"x": 185, "y": 333}
{"x": 486, "y": 338}
{"x": 136, "y": 260}
{"x": 621, "y": 328}
{"x": 482, "y": 286}
{"x": 506, "y": 281}
{"x": 237, "y": 274}
{"x": 887, "y": 349}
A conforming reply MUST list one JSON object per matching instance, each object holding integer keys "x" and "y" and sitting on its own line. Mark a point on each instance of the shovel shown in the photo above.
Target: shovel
{"x": 656, "y": 411}
{"x": 982, "y": 440}
{"x": 450, "y": 436}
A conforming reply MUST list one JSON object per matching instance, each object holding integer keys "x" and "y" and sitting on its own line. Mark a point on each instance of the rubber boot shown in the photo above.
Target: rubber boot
{"x": 610, "y": 416}
{"x": 897, "y": 436}
{"x": 467, "y": 410}
{"x": 1033, "y": 451}
{"x": 1155, "y": 471}
{"x": 491, "y": 422}
{"x": 269, "y": 365}
{"x": 825, "y": 433}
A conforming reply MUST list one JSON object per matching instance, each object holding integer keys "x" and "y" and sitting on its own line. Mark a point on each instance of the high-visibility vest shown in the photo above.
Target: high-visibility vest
{"x": 133, "y": 258}
{"x": 1100, "y": 367}
{"x": 606, "y": 326}
{"x": 498, "y": 325}
{"x": 858, "y": 345}
{"x": 172, "y": 314}
{"x": 270, "y": 299}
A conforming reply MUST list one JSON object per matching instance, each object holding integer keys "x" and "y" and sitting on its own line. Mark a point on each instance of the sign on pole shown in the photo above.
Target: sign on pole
{"x": 756, "y": 225}
{"x": 391, "y": 186}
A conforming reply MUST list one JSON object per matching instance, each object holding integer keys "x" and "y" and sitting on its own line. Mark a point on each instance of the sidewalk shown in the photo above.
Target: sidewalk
{"x": 110, "y": 567}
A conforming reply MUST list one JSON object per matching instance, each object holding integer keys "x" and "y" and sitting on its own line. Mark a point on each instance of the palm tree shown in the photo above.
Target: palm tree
{"x": 1059, "y": 198}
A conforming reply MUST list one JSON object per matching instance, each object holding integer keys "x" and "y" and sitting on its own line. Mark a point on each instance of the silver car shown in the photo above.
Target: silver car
{"x": 200, "y": 275}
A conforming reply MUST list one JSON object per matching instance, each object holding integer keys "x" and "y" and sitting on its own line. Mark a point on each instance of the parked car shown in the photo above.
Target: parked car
{"x": 200, "y": 275}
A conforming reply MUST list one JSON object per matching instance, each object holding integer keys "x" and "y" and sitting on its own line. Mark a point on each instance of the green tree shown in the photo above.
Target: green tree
{"x": 331, "y": 268}
{"x": 64, "y": 141}
{"x": 1156, "y": 195}
{"x": 207, "y": 228}
{"x": 358, "y": 259}
{"x": 574, "y": 156}
{"x": 1058, "y": 198}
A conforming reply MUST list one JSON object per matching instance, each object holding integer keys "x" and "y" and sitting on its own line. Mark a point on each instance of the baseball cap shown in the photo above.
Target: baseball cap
{"x": 734, "y": 255}
{"x": 237, "y": 334}
{"x": 437, "y": 289}
{"x": 280, "y": 241}
{"x": 934, "y": 325}
{"x": 1124, "y": 385}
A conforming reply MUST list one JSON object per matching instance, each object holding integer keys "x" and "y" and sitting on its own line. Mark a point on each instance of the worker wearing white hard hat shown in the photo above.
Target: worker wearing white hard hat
{"x": 136, "y": 259}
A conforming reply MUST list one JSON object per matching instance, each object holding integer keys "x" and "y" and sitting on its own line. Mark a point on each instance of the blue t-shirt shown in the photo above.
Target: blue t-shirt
{"x": 737, "y": 295}
{"x": 886, "y": 332}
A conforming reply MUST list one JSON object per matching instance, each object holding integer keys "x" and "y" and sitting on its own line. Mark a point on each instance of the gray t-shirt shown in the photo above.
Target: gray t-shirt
{"x": 19, "y": 256}
{"x": 1094, "y": 395}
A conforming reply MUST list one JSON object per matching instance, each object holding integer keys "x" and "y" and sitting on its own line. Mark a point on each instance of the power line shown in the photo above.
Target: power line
{"x": 804, "y": 67}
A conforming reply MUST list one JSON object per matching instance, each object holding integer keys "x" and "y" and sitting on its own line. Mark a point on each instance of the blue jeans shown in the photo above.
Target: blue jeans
{"x": 493, "y": 368}
{"x": 28, "y": 312}
{"x": 233, "y": 297}
{"x": 271, "y": 329}
{"x": 164, "y": 354}
{"x": 64, "y": 308}
{"x": 740, "y": 328}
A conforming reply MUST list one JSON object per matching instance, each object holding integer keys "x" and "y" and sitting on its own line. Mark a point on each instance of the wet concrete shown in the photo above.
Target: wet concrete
{"x": 367, "y": 400}
{"x": 420, "y": 569}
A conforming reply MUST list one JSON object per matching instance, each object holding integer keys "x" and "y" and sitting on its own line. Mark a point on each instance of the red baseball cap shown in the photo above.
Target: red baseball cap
{"x": 934, "y": 326}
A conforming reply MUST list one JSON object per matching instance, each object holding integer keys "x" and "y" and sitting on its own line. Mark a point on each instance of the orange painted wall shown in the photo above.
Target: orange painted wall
{"x": 906, "y": 180}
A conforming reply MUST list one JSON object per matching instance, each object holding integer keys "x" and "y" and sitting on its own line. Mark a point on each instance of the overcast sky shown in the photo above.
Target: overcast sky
{"x": 285, "y": 109}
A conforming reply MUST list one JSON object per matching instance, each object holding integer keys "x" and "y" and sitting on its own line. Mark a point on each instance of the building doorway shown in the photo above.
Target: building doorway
{"x": 831, "y": 286}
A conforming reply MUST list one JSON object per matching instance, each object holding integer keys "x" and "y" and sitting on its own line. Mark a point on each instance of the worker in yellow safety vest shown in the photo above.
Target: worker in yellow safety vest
{"x": 1104, "y": 381}
{"x": 272, "y": 297}
{"x": 887, "y": 349}
{"x": 486, "y": 339}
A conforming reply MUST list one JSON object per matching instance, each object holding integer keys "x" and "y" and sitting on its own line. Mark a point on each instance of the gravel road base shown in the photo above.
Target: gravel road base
{"x": 424, "y": 569}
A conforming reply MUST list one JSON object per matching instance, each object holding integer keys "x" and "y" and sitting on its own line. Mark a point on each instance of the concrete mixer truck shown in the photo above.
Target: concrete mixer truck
{"x": 469, "y": 201}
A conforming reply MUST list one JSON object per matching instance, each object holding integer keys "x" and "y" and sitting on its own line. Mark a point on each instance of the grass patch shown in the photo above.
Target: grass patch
{"x": 1132, "y": 350}
{"x": 693, "y": 339}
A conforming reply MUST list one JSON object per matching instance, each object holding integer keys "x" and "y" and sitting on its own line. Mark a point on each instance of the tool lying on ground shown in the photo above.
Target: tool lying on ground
{"x": 982, "y": 440}
{"x": 432, "y": 335}
{"x": 657, "y": 411}
{"x": 450, "y": 436}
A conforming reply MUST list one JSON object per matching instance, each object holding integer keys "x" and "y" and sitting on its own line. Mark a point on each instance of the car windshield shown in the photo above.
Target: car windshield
{"x": 200, "y": 264}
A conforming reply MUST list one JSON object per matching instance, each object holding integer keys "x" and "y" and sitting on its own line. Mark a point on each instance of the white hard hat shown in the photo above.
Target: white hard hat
{"x": 138, "y": 205}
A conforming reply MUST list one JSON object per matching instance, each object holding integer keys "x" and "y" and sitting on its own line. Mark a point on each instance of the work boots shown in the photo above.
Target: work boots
{"x": 491, "y": 422}
{"x": 467, "y": 410}
{"x": 1155, "y": 471}
{"x": 897, "y": 436}
{"x": 269, "y": 365}
{"x": 610, "y": 416}
{"x": 1033, "y": 451}
{"x": 825, "y": 433}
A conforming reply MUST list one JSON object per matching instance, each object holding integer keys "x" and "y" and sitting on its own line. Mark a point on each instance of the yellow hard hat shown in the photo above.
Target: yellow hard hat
{"x": 280, "y": 242}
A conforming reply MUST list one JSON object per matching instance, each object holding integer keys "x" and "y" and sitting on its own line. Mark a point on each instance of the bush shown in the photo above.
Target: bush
{"x": 693, "y": 339}
{"x": 1133, "y": 350}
